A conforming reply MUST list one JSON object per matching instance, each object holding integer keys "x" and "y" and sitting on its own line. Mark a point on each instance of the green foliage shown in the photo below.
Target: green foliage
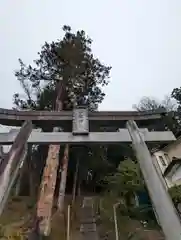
{"x": 67, "y": 66}
{"x": 127, "y": 179}
{"x": 11, "y": 233}
{"x": 122, "y": 187}
{"x": 175, "y": 193}
{"x": 176, "y": 94}
{"x": 129, "y": 219}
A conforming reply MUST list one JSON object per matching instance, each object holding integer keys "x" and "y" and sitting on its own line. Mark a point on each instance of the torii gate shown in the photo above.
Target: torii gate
{"x": 81, "y": 121}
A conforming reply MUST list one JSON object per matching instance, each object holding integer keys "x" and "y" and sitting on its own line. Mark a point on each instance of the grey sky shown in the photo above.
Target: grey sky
{"x": 141, "y": 39}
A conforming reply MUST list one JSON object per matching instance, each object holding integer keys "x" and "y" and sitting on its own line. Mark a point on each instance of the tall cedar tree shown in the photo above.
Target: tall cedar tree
{"x": 68, "y": 71}
{"x": 69, "y": 60}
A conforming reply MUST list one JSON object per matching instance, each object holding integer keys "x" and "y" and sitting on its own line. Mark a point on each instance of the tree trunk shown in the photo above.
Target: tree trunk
{"x": 33, "y": 186}
{"x": 21, "y": 186}
{"x": 34, "y": 172}
{"x": 23, "y": 178}
{"x": 45, "y": 203}
{"x": 75, "y": 182}
{"x": 79, "y": 188}
{"x": 19, "y": 181}
{"x": 46, "y": 198}
{"x": 17, "y": 187}
{"x": 63, "y": 179}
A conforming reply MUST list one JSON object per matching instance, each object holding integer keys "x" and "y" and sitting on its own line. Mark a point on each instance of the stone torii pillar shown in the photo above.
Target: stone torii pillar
{"x": 166, "y": 212}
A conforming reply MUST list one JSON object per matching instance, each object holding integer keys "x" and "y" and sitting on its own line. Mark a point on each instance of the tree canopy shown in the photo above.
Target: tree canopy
{"x": 70, "y": 62}
{"x": 149, "y": 103}
{"x": 169, "y": 105}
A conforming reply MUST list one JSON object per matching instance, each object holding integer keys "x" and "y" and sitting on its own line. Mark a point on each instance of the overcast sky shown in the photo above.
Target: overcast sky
{"x": 140, "y": 39}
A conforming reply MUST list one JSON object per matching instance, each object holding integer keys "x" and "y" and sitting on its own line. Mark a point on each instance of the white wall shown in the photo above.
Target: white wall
{"x": 176, "y": 178}
{"x": 157, "y": 155}
{"x": 5, "y": 129}
{"x": 161, "y": 168}
{"x": 173, "y": 150}
{"x": 159, "y": 172}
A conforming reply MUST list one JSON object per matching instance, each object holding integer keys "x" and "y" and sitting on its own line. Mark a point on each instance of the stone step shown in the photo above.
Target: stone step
{"x": 89, "y": 236}
{"x": 88, "y": 222}
{"x": 88, "y": 227}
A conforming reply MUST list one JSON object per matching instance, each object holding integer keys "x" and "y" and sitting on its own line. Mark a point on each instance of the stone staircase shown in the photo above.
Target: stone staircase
{"x": 88, "y": 229}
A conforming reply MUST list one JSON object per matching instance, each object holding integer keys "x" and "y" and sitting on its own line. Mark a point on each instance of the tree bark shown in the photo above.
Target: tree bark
{"x": 17, "y": 187}
{"x": 19, "y": 181}
{"x": 46, "y": 198}
{"x": 75, "y": 182}
{"x": 45, "y": 203}
{"x": 22, "y": 184}
{"x": 79, "y": 188}
{"x": 63, "y": 179}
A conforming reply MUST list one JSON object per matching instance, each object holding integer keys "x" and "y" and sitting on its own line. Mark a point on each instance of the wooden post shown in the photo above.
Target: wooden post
{"x": 168, "y": 217}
